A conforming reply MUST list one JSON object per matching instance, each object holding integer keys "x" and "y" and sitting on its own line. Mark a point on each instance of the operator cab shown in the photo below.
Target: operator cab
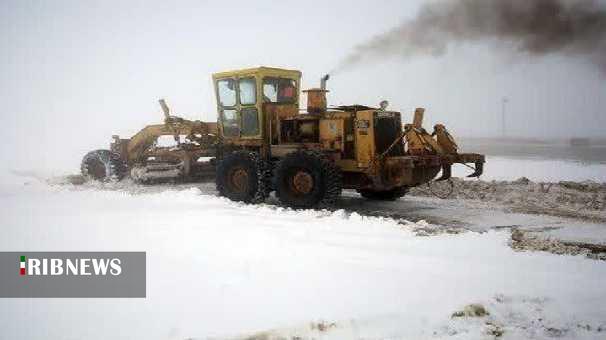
{"x": 250, "y": 102}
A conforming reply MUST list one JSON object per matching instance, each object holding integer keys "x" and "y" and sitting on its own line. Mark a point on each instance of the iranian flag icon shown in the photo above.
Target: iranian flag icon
{"x": 22, "y": 265}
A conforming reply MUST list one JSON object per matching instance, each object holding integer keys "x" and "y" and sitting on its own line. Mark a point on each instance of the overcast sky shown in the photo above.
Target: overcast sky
{"x": 76, "y": 72}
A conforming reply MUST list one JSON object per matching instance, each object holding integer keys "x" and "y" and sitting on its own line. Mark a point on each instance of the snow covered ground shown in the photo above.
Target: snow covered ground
{"x": 222, "y": 270}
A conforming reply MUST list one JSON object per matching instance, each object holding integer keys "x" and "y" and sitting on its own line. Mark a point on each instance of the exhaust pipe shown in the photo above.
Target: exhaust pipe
{"x": 316, "y": 97}
{"x": 323, "y": 82}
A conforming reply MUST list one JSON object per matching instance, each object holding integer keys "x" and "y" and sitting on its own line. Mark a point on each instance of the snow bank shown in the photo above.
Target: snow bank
{"x": 580, "y": 200}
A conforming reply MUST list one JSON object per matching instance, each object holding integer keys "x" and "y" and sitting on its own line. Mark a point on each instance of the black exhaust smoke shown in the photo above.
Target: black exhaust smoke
{"x": 575, "y": 28}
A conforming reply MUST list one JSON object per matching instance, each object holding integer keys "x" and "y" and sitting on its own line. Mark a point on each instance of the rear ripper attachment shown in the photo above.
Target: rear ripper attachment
{"x": 263, "y": 142}
{"x": 441, "y": 143}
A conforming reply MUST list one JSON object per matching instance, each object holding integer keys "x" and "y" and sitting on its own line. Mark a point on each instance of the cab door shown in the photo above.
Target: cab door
{"x": 237, "y": 105}
{"x": 250, "y": 126}
{"x": 227, "y": 105}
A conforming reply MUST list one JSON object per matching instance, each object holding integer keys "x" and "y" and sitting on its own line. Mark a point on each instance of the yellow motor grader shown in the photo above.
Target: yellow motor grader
{"x": 264, "y": 142}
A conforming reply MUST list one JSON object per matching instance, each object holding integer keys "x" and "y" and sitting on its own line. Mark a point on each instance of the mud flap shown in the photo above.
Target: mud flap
{"x": 479, "y": 169}
{"x": 446, "y": 172}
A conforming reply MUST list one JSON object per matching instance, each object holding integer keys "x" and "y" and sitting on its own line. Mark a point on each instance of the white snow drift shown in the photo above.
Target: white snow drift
{"x": 218, "y": 269}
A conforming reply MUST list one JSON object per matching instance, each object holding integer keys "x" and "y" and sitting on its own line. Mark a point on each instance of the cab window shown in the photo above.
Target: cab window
{"x": 227, "y": 92}
{"x": 250, "y": 121}
{"x": 230, "y": 123}
{"x": 279, "y": 90}
{"x": 248, "y": 91}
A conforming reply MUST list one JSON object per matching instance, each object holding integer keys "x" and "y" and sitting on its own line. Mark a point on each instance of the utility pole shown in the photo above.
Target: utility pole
{"x": 504, "y": 102}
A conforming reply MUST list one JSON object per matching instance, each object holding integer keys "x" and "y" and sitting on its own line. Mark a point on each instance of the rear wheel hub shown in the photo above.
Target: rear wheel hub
{"x": 238, "y": 180}
{"x": 302, "y": 183}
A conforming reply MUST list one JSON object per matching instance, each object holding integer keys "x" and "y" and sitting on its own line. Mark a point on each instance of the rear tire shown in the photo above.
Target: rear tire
{"x": 306, "y": 179}
{"x": 244, "y": 177}
{"x": 387, "y": 195}
{"x": 103, "y": 165}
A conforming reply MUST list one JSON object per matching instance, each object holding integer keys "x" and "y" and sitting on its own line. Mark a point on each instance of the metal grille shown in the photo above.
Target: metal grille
{"x": 388, "y": 126}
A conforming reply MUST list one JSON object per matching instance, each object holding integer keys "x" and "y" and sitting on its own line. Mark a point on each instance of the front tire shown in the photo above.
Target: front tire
{"x": 103, "y": 165}
{"x": 243, "y": 176}
{"x": 305, "y": 179}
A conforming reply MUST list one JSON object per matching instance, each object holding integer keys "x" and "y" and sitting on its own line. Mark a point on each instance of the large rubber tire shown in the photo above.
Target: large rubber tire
{"x": 103, "y": 165}
{"x": 306, "y": 179}
{"x": 387, "y": 195}
{"x": 244, "y": 177}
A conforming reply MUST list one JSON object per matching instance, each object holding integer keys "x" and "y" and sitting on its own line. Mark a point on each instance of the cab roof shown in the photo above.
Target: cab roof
{"x": 263, "y": 70}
